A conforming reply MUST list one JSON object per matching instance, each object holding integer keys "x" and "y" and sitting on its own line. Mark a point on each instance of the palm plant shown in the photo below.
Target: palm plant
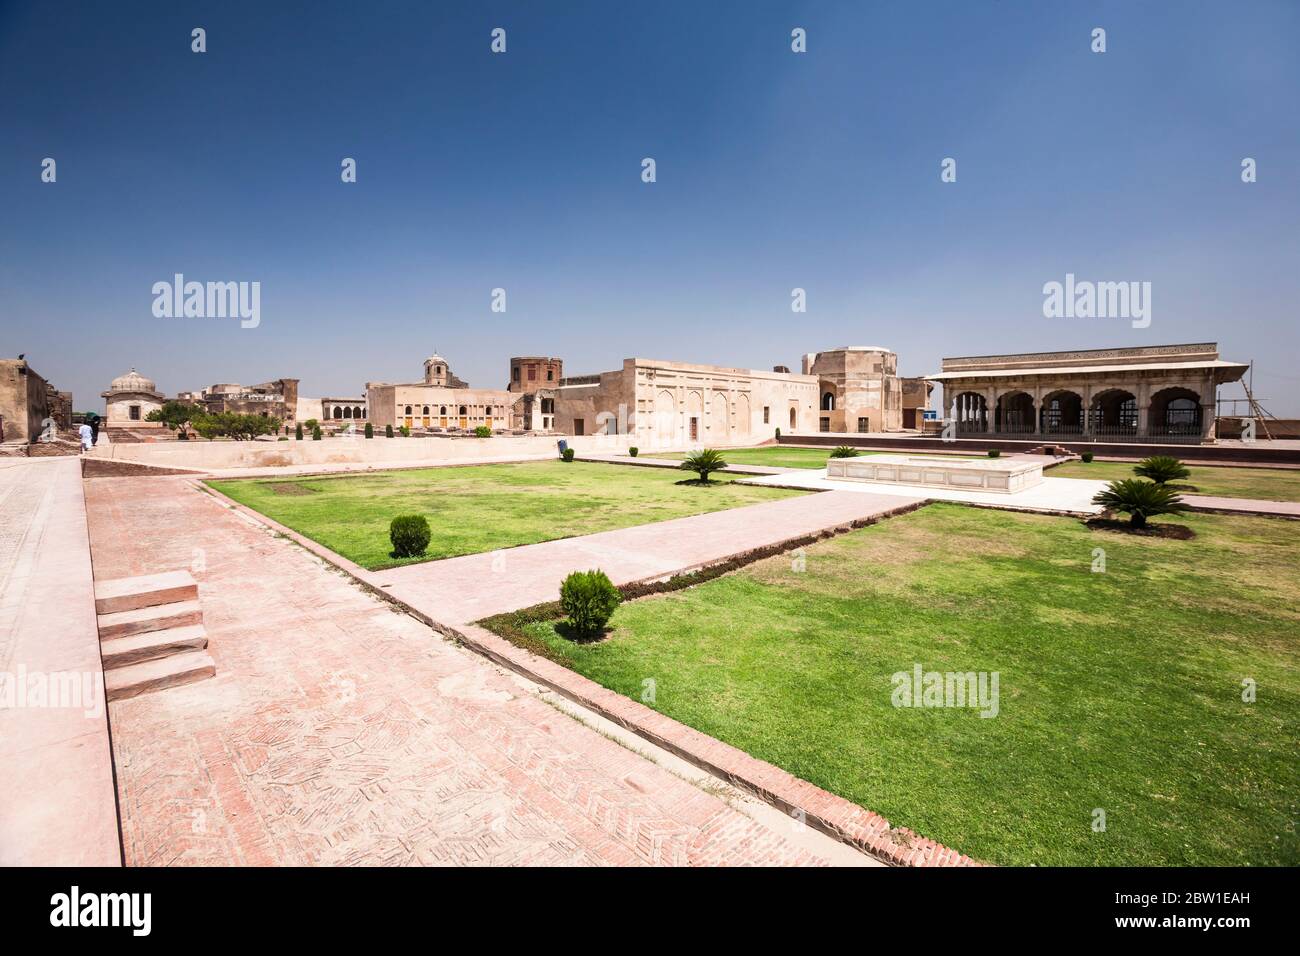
{"x": 1140, "y": 500}
{"x": 1161, "y": 469}
{"x": 704, "y": 462}
{"x": 844, "y": 451}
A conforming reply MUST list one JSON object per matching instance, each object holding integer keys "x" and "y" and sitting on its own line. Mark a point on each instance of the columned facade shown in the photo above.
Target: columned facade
{"x": 1163, "y": 393}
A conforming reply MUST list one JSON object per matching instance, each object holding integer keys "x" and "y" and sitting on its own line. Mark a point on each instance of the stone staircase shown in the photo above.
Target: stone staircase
{"x": 151, "y": 633}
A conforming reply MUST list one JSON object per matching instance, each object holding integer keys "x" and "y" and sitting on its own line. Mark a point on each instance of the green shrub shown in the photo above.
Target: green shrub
{"x": 283, "y": 438}
{"x": 778, "y": 433}
{"x": 995, "y": 453}
{"x": 704, "y": 462}
{"x": 388, "y": 431}
{"x": 588, "y": 598}
{"x": 410, "y": 535}
{"x": 297, "y": 431}
{"x": 406, "y": 431}
{"x": 482, "y": 431}
{"x": 315, "y": 433}
{"x": 567, "y": 454}
{"x": 844, "y": 451}
{"x": 1086, "y": 457}
{"x": 632, "y": 451}
{"x": 1161, "y": 469}
{"x": 1140, "y": 500}
{"x": 370, "y": 431}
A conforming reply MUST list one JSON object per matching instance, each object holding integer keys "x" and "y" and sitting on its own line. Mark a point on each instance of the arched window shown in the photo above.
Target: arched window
{"x": 828, "y": 401}
{"x": 338, "y": 412}
{"x": 426, "y": 409}
{"x": 358, "y": 413}
{"x": 462, "y": 409}
{"x": 444, "y": 410}
{"x": 347, "y": 412}
{"x": 408, "y": 409}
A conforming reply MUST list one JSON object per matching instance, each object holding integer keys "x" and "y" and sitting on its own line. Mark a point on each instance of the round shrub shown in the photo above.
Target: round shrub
{"x": 1086, "y": 457}
{"x": 406, "y": 431}
{"x": 410, "y": 535}
{"x": 567, "y": 454}
{"x": 995, "y": 453}
{"x": 482, "y": 431}
{"x": 633, "y": 450}
{"x": 588, "y": 598}
{"x": 388, "y": 431}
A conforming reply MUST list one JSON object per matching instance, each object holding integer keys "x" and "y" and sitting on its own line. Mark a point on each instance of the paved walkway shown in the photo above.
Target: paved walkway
{"x": 339, "y": 731}
{"x": 460, "y": 590}
{"x": 1248, "y": 506}
{"x": 56, "y": 775}
{"x": 1054, "y": 495}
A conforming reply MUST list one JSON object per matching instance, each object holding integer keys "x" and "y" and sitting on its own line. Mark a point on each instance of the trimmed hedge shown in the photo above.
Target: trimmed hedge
{"x": 410, "y": 535}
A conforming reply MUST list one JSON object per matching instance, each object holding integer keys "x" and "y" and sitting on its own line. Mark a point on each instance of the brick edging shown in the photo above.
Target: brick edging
{"x": 833, "y": 815}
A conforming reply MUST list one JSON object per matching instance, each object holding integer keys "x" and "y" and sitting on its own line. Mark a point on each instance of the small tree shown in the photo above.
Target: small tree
{"x": 1161, "y": 469}
{"x": 311, "y": 424}
{"x": 315, "y": 433}
{"x": 409, "y": 534}
{"x": 589, "y": 598}
{"x": 844, "y": 451}
{"x": 388, "y": 431}
{"x": 297, "y": 431}
{"x": 370, "y": 432}
{"x": 1140, "y": 500}
{"x": 406, "y": 431}
{"x": 704, "y": 462}
{"x": 175, "y": 415}
{"x": 482, "y": 431}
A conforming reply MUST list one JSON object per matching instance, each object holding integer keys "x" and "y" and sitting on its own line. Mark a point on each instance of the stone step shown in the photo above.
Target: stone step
{"x": 152, "y": 645}
{"x": 145, "y": 590}
{"x": 141, "y": 620}
{"x": 142, "y": 678}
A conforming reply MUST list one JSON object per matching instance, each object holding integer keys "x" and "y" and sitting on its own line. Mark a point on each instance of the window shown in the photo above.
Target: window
{"x": 462, "y": 409}
{"x": 532, "y": 373}
{"x": 767, "y": 415}
{"x": 550, "y": 374}
{"x": 579, "y": 426}
{"x": 444, "y": 410}
{"x": 515, "y": 372}
{"x": 134, "y": 412}
{"x": 426, "y": 410}
{"x": 825, "y": 424}
{"x": 408, "y": 409}
{"x": 828, "y": 402}
{"x": 338, "y": 412}
{"x": 862, "y": 424}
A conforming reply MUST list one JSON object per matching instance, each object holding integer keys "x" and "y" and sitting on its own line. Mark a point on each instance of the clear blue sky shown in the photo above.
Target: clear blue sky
{"x": 522, "y": 171}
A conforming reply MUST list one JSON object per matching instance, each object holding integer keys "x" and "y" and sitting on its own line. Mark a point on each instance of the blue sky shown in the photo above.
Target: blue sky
{"x": 522, "y": 171}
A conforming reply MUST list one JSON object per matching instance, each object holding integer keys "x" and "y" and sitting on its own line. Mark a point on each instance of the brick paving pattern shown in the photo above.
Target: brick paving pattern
{"x": 338, "y": 731}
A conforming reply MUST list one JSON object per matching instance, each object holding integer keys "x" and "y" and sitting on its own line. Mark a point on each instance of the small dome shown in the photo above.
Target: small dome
{"x": 132, "y": 381}
{"x": 435, "y": 359}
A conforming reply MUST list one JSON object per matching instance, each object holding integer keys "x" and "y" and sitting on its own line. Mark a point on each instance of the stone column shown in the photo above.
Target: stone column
{"x": 1038, "y": 410}
{"x": 1143, "y": 393}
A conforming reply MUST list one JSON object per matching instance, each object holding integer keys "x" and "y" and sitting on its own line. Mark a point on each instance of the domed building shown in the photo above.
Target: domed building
{"x": 130, "y": 398}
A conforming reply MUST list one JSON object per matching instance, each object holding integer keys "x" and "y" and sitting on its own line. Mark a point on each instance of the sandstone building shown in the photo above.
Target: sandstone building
{"x": 1158, "y": 392}
{"x": 129, "y": 400}
{"x": 441, "y": 402}
{"x": 26, "y": 402}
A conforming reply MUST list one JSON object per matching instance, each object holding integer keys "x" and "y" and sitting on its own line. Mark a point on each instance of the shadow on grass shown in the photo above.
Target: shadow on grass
{"x": 1177, "y": 532}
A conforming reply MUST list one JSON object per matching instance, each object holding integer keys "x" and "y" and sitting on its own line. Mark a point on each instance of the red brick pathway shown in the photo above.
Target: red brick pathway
{"x": 338, "y": 731}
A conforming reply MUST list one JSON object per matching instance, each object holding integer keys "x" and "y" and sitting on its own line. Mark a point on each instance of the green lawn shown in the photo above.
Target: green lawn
{"x": 1119, "y": 691}
{"x": 475, "y": 508}
{"x": 1271, "y": 484}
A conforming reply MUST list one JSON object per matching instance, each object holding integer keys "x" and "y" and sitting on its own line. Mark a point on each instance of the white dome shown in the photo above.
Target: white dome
{"x": 132, "y": 381}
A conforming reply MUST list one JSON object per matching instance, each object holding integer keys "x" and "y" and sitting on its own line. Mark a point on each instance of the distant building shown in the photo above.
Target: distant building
{"x": 343, "y": 409}
{"x": 1157, "y": 392}
{"x": 442, "y": 402}
{"x": 858, "y": 389}
{"x": 534, "y": 378}
{"x": 275, "y": 399}
{"x": 129, "y": 400}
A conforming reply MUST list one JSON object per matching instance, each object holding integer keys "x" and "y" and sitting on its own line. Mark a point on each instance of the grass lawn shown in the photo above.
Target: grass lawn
{"x": 1119, "y": 691}
{"x": 1271, "y": 484}
{"x": 475, "y": 508}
